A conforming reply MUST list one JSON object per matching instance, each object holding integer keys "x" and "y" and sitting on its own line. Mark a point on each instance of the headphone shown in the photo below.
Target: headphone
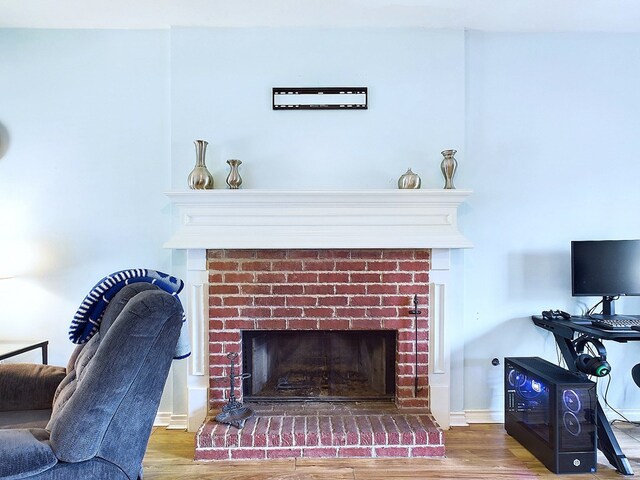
{"x": 597, "y": 366}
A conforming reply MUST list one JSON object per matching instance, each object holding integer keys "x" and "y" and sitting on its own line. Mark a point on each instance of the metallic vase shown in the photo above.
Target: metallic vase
{"x": 234, "y": 180}
{"x": 200, "y": 178}
{"x": 448, "y": 166}
{"x": 409, "y": 180}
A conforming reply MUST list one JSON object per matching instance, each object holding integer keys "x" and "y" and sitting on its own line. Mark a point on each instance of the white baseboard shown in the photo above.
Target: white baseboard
{"x": 178, "y": 422}
{"x": 163, "y": 419}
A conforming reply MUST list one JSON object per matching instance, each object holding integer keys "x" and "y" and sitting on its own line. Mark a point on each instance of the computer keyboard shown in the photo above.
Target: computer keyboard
{"x": 618, "y": 322}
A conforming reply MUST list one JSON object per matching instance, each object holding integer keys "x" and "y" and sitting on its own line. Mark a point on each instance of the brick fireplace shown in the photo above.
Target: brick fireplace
{"x": 323, "y": 261}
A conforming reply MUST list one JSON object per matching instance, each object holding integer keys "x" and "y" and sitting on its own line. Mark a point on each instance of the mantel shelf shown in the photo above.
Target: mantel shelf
{"x": 317, "y": 219}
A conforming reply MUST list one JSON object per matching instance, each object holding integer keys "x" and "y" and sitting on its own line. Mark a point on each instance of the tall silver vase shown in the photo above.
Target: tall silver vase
{"x": 200, "y": 178}
{"x": 448, "y": 166}
{"x": 234, "y": 180}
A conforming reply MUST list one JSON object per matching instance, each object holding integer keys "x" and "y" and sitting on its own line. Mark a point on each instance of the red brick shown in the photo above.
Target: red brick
{"x": 244, "y": 254}
{"x": 366, "y": 324}
{"x": 350, "y": 289}
{"x": 320, "y": 452}
{"x": 287, "y": 289}
{"x": 318, "y": 265}
{"x": 253, "y": 289}
{"x": 334, "y": 324}
{"x": 302, "y": 301}
{"x": 214, "y": 254}
{"x": 318, "y": 289}
{"x": 406, "y": 433}
{"x": 385, "y": 312}
{"x": 212, "y": 454}
{"x": 312, "y": 431}
{"x": 351, "y": 265}
{"x": 273, "y": 277}
{"x": 403, "y": 301}
{"x": 339, "y": 436}
{"x": 435, "y": 437}
{"x": 394, "y": 323}
{"x": 215, "y": 347}
{"x": 225, "y": 336}
{"x": 284, "y": 312}
{"x": 306, "y": 277}
{"x": 224, "y": 266}
{"x": 232, "y": 438}
{"x": 237, "y": 301}
{"x": 298, "y": 253}
{"x": 241, "y": 324}
{"x": 286, "y": 433}
{"x": 352, "y": 430}
{"x": 216, "y": 324}
{"x": 325, "y": 430}
{"x": 366, "y": 432}
{"x": 270, "y": 301}
{"x": 366, "y": 254}
{"x": 379, "y": 432}
{"x": 299, "y": 429}
{"x": 403, "y": 254}
{"x": 422, "y": 254}
{"x": 382, "y": 289}
{"x": 215, "y": 277}
{"x": 414, "y": 266}
{"x": 333, "y": 277}
{"x": 324, "y": 312}
{"x": 302, "y": 323}
{"x": 435, "y": 451}
{"x": 223, "y": 290}
{"x": 399, "y": 452}
{"x": 382, "y": 266}
{"x": 331, "y": 253}
{"x": 359, "y": 277}
{"x": 421, "y": 278}
{"x": 271, "y": 324}
{"x": 255, "y": 266}
{"x": 255, "y": 312}
{"x": 238, "y": 277}
{"x": 271, "y": 254}
{"x": 248, "y": 454}
{"x": 284, "y": 453}
{"x": 363, "y": 452}
{"x": 400, "y": 277}
{"x": 365, "y": 301}
{"x": 273, "y": 434}
{"x": 351, "y": 312}
{"x": 288, "y": 266}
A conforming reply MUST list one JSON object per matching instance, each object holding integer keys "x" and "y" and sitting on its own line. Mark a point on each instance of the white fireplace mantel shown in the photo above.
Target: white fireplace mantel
{"x": 318, "y": 219}
{"x": 286, "y": 219}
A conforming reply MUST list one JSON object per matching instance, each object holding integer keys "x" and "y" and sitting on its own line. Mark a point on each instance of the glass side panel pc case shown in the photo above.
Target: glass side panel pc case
{"x": 551, "y": 412}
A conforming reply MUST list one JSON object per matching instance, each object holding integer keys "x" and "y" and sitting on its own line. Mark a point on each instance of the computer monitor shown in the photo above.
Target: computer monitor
{"x": 606, "y": 268}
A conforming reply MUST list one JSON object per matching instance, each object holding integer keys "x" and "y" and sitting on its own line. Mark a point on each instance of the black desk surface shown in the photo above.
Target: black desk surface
{"x": 566, "y": 329}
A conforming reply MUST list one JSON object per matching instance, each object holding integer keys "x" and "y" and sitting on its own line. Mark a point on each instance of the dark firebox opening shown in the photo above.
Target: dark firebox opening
{"x": 322, "y": 365}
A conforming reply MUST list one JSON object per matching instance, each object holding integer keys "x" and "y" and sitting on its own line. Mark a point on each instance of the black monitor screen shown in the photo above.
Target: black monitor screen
{"x": 605, "y": 267}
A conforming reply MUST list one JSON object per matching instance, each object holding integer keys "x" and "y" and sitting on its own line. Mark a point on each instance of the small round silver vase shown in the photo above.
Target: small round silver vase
{"x": 234, "y": 180}
{"x": 200, "y": 178}
{"x": 409, "y": 180}
{"x": 448, "y": 166}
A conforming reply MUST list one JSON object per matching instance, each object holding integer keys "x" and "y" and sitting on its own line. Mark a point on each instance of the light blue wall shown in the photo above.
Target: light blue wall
{"x": 221, "y": 92}
{"x": 101, "y": 123}
{"x": 552, "y": 148}
{"x": 85, "y": 116}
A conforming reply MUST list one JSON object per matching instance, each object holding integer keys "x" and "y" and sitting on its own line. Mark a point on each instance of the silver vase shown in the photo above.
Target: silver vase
{"x": 200, "y": 178}
{"x": 234, "y": 180}
{"x": 448, "y": 166}
{"x": 409, "y": 180}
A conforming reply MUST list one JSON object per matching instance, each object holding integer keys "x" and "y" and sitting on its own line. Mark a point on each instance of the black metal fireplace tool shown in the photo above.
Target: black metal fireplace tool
{"x": 415, "y": 312}
{"x": 234, "y": 412}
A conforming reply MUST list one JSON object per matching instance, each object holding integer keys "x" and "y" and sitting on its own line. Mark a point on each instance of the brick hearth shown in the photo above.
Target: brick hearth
{"x": 356, "y": 289}
{"x": 323, "y": 430}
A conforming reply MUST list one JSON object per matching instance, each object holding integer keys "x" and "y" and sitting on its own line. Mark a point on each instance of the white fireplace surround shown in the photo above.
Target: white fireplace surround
{"x": 286, "y": 219}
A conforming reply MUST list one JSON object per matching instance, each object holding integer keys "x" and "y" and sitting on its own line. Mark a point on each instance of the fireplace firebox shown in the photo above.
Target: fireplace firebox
{"x": 322, "y": 365}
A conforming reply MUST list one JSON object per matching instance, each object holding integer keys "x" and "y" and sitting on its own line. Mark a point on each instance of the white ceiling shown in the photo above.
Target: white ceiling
{"x": 488, "y": 15}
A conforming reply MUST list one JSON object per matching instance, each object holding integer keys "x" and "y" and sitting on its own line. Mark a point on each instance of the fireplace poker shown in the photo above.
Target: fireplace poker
{"x": 415, "y": 312}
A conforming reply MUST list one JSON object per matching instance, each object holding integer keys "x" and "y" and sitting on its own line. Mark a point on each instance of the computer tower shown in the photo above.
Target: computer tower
{"x": 551, "y": 412}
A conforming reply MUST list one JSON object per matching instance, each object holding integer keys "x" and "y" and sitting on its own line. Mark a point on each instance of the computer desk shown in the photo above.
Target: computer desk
{"x": 564, "y": 332}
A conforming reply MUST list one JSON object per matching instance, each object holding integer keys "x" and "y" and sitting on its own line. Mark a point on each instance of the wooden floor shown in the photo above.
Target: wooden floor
{"x": 480, "y": 451}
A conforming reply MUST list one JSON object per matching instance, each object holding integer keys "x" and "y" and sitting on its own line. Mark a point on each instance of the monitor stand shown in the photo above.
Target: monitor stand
{"x": 608, "y": 307}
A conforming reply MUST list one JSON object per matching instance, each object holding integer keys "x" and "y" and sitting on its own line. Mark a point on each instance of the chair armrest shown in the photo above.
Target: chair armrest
{"x": 24, "y": 452}
{"x": 26, "y": 386}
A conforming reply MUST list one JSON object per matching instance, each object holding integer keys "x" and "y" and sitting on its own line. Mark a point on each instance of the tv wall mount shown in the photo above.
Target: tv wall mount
{"x": 319, "y": 98}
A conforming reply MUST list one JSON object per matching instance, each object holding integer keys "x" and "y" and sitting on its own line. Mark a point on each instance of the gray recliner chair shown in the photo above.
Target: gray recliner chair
{"x": 104, "y": 408}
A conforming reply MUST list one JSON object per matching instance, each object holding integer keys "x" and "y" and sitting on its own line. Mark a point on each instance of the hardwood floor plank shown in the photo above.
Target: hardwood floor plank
{"x": 479, "y": 451}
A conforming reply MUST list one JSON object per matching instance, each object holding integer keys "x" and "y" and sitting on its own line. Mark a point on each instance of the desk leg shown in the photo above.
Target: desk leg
{"x": 607, "y": 442}
{"x": 45, "y": 353}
